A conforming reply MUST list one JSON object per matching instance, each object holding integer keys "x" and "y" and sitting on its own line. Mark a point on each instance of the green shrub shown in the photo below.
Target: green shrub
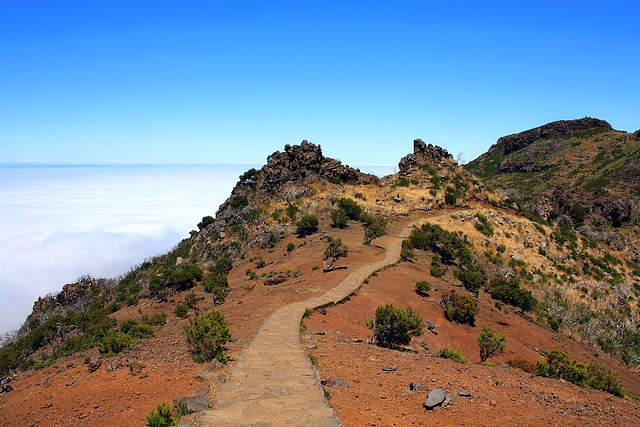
{"x": 483, "y": 225}
{"x": 260, "y": 263}
{"x": 452, "y": 354}
{"x": 394, "y": 326}
{"x": 339, "y": 218}
{"x": 448, "y": 245}
{"x": 450, "y": 199}
{"x": 290, "y": 247}
{"x": 181, "y": 310}
{"x": 207, "y": 220}
{"x": 161, "y": 416}
{"x": 436, "y": 271}
{"x": 239, "y": 202}
{"x": 472, "y": 279}
{"x": 508, "y": 290}
{"x": 141, "y": 330}
{"x": 350, "y": 207}
{"x": 407, "y": 250}
{"x": 490, "y": 342}
{"x": 216, "y": 283}
{"x": 207, "y": 335}
{"x": 114, "y": 343}
{"x": 501, "y": 248}
{"x": 423, "y": 286}
{"x": 308, "y": 224}
{"x": 44, "y": 363}
{"x": 460, "y": 308}
{"x": 292, "y": 210}
{"x": 595, "y": 375}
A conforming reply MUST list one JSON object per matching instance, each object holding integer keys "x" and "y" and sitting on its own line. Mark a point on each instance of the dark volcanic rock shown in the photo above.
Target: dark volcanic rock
{"x": 94, "y": 364}
{"x": 425, "y": 154}
{"x": 511, "y": 143}
{"x": 293, "y": 168}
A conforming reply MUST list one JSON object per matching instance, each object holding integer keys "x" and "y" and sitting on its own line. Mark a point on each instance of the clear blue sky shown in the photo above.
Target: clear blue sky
{"x": 233, "y": 81}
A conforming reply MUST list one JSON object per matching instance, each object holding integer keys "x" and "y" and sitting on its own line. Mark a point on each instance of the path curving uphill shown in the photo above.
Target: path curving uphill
{"x": 273, "y": 381}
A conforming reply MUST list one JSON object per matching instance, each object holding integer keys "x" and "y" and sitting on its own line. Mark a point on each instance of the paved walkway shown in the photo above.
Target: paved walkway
{"x": 273, "y": 381}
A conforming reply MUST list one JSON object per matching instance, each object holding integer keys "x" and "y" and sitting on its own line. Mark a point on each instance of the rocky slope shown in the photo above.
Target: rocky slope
{"x": 250, "y": 259}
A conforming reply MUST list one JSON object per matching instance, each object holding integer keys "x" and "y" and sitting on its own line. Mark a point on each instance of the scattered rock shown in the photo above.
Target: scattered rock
{"x": 142, "y": 376}
{"x": 343, "y": 383}
{"x": 435, "y": 399}
{"x": 94, "y": 364}
{"x": 195, "y": 403}
{"x": 312, "y": 347}
{"x": 464, "y": 393}
{"x": 418, "y": 386}
{"x": 333, "y": 382}
{"x": 319, "y": 333}
{"x": 388, "y": 369}
{"x": 47, "y": 405}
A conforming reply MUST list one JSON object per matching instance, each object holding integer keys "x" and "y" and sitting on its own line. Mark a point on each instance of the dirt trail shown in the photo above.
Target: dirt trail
{"x": 273, "y": 381}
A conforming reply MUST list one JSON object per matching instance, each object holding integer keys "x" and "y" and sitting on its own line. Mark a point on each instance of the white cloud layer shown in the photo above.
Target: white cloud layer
{"x": 59, "y": 223}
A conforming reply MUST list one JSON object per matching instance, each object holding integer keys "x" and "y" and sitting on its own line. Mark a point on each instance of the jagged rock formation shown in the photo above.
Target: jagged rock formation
{"x": 511, "y": 143}
{"x": 425, "y": 154}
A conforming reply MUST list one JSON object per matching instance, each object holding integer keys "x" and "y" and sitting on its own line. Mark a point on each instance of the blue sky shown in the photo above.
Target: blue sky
{"x": 233, "y": 81}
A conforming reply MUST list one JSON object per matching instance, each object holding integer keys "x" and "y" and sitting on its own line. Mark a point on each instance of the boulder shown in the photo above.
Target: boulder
{"x": 435, "y": 399}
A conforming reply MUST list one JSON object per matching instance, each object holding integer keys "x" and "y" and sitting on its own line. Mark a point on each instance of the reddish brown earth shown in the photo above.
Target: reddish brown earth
{"x": 69, "y": 395}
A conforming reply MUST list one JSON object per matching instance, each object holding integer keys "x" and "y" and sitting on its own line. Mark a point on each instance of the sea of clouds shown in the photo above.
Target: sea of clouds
{"x": 58, "y": 223}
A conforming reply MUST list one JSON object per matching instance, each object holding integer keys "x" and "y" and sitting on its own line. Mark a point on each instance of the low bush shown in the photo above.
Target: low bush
{"x": 290, "y": 247}
{"x": 452, "y": 354}
{"x": 423, "y": 286}
{"x": 114, "y": 343}
{"x": 394, "y": 326}
{"x": 307, "y": 225}
{"x": 161, "y": 416}
{"x": 508, "y": 290}
{"x": 181, "y": 310}
{"x": 595, "y": 375}
{"x": 460, "y": 308}
{"x": 207, "y": 335}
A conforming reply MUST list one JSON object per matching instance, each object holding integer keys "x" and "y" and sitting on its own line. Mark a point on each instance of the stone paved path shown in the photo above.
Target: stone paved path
{"x": 273, "y": 381}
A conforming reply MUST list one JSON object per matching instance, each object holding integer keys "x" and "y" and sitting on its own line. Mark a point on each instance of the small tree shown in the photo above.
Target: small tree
{"x": 206, "y": 335}
{"x": 394, "y": 326}
{"x": 490, "y": 342}
{"x": 308, "y": 224}
{"x": 335, "y": 249}
{"x": 376, "y": 228}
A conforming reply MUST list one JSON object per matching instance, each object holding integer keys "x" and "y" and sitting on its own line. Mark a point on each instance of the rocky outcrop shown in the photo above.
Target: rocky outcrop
{"x": 73, "y": 297}
{"x": 299, "y": 162}
{"x": 619, "y": 211}
{"x": 636, "y": 135}
{"x": 424, "y": 154}
{"x": 509, "y": 144}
